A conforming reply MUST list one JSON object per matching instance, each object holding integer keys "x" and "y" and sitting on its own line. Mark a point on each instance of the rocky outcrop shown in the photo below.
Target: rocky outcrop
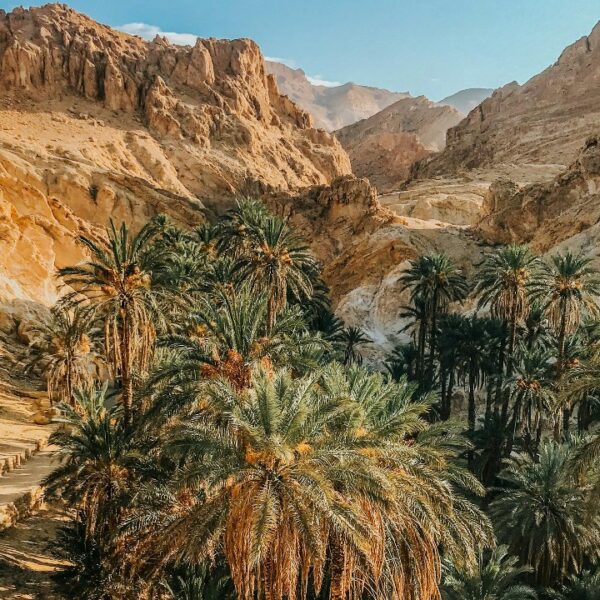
{"x": 98, "y": 124}
{"x": 565, "y": 210}
{"x": 364, "y": 248}
{"x": 384, "y": 146}
{"x": 544, "y": 121}
{"x": 213, "y": 98}
{"x": 332, "y": 107}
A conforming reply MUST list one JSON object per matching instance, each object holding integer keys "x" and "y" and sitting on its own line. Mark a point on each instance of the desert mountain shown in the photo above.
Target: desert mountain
{"x": 544, "y": 121}
{"x": 466, "y": 100}
{"x": 384, "y": 146}
{"x": 95, "y": 123}
{"x": 331, "y": 107}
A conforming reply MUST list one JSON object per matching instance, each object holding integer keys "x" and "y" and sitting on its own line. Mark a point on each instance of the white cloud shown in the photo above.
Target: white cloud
{"x": 318, "y": 80}
{"x": 149, "y": 32}
{"x": 288, "y": 62}
{"x": 314, "y": 79}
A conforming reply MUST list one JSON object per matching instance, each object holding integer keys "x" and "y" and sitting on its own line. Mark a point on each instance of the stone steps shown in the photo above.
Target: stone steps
{"x": 9, "y": 461}
{"x": 21, "y": 492}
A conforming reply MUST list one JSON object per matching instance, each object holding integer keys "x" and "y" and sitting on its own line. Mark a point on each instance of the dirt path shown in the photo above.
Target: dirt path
{"x": 26, "y": 559}
{"x": 27, "y": 477}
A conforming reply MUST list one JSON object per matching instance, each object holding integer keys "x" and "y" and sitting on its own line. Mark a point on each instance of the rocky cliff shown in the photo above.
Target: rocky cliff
{"x": 544, "y": 121}
{"x": 332, "y": 107}
{"x": 565, "y": 210}
{"x": 384, "y": 146}
{"x": 95, "y": 123}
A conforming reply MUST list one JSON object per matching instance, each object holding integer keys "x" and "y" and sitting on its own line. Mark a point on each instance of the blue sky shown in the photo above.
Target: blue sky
{"x": 431, "y": 47}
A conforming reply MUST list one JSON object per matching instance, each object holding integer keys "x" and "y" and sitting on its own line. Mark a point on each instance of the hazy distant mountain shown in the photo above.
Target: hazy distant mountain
{"x": 331, "y": 107}
{"x": 384, "y": 146}
{"x": 466, "y": 100}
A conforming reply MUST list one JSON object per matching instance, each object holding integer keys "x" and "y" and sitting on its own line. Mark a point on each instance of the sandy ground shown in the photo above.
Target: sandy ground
{"x": 26, "y": 559}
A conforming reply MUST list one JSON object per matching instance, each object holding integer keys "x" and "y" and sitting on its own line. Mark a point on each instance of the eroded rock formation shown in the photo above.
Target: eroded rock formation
{"x": 96, "y": 124}
{"x": 564, "y": 210}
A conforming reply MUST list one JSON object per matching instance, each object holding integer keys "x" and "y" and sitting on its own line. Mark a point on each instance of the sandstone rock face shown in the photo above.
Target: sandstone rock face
{"x": 365, "y": 247}
{"x": 565, "y": 210}
{"x": 546, "y": 120}
{"x": 384, "y": 146}
{"x": 331, "y": 107}
{"x": 214, "y": 97}
{"x": 97, "y": 124}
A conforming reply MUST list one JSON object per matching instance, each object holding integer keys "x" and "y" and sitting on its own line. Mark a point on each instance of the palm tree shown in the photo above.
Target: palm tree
{"x": 450, "y": 332}
{"x": 418, "y": 321}
{"x": 506, "y": 281}
{"x": 437, "y": 281}
{"x": 117, "y": 284}
{"x": 272, "y": 259}
{"x": 228, "y": 335}
{"x": 65, "y": 352}
{"x": 351, "y": 339}
{"x": 531, "y": 387}
{"x": 97, "y": 460}
{"x": 232, "y": 235}
{"x": 402, "y": 362}
{"x": 574, "y": 286}
{"x": 296, "y": 478}
{"x": 585, "y": 586}
{"x": 471, "y": 343}
{"x": 496, "y": 577}
{"x": 543, "y": 512}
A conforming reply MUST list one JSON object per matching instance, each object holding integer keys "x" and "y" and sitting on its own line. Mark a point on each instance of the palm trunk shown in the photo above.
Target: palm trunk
{"x": 513, "y": 426}
{"x": 450, "y": 392}
{"x": 561, "y": 360}
{"x": 583, "y": 415}
{"x": 509, "y": 366}
{"x": 489, "y": 400}
{"x": 444, "y": 384}
{"x": 433, "y": 333}
{"x": 338, "y": 571}
{"x": 499, "y": 381}
{"x": 539, "y": 431}
{"x": 472, "y": 415}
{"x": 421, "y": 351}
{"x": 126, "y": 380}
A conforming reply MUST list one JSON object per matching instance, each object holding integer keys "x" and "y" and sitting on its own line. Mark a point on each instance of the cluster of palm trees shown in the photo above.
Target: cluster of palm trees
{"x": 521, "y": 343}
{"x": 530, "y": 328}
{"x": 220, "y": 437}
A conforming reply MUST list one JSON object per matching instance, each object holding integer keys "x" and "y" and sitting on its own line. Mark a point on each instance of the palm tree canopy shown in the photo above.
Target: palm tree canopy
{"x": 507, "y": 279}
{"x": 543, "y": 512}
{"x": 299, "y": 465}
{"x": 573, "y": 285}
{"x": 64, "y": 350}
{"x": 436, "y": 277}
{"x": 495, "y": 577}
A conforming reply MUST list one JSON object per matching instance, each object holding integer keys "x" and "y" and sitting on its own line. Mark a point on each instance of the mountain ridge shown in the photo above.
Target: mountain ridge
{"x": 332, "y": 107}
